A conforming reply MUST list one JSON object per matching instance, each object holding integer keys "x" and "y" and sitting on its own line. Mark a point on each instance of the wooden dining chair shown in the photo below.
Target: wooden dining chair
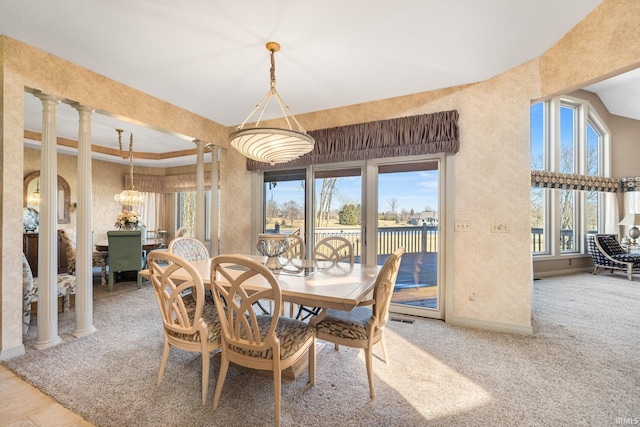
{"x": 297, "y": 248}
{"x": 181, "y": 232}
{"x": 188, "y": 323}
{"x": 363, "y": 327}
{"x": 332, "y": 248}
{"x": 125, "y": 254}
{"x": 189, "y": 248}
{"x": 262, "y": 342}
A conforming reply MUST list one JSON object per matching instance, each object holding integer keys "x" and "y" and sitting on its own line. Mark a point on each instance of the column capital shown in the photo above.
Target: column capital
{"x": 46, "y": 97}
{"x": 82, "y": 108}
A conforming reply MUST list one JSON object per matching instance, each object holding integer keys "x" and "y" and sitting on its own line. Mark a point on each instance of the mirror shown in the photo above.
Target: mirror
{"x": 32, "y": 183}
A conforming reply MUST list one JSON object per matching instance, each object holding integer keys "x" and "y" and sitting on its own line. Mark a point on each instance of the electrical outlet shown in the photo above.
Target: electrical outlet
{"x": 473, "y": 296}
{"x": 500, "y": 227}
{"x": 462, "y": 226}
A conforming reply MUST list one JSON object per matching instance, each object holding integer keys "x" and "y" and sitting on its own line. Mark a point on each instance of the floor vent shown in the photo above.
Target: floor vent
{"x": 401, "y": 320}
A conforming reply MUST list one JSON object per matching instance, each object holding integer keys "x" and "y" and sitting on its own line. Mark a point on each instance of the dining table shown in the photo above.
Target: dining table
{"x": 147, "y": 245}
{"x": 322, "y": 284}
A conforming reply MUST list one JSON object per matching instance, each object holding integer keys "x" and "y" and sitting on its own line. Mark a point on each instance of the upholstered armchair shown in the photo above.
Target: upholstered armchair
{"x": 608, "y": 254}
{"x": 99, "y": 259}
{"x": 66, "y": 285}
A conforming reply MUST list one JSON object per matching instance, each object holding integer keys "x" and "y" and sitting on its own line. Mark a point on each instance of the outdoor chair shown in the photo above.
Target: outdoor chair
{"x": 363, "y": 327}
{"x": 608, "y": 254}
{"x": 99, "y": 259}
{"x": 262, "y": 342}
{"x": 125, "y": 254}
{"x": 188, "y": 323}
{"x": 332, "y": 248}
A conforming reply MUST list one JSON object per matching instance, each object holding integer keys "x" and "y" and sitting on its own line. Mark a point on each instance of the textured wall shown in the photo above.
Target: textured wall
{"x": 488, "y": 178}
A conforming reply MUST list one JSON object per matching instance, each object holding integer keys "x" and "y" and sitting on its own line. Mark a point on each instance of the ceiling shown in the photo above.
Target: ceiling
{"x": 209, "y": 56}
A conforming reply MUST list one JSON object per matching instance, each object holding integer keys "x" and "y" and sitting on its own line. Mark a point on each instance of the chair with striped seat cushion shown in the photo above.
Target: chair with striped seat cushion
{"x": 188, "y": 323}
{"x": 269, "y": 343}
{"x": 363, "y": 327}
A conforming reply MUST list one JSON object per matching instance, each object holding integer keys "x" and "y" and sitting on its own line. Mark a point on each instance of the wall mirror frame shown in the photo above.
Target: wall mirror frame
{"x": 64, "y": 195}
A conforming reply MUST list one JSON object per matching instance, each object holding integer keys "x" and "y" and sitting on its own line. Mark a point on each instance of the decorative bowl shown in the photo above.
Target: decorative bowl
{"x": 272, "y": 246}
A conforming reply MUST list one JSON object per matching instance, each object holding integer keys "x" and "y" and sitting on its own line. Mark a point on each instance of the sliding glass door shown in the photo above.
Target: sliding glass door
{"x": 408, "y": 215}
{"x": 378, "y": 206}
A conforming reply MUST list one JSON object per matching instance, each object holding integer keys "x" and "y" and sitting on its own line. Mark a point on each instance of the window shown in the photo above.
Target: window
{"x": 567, "y": 136}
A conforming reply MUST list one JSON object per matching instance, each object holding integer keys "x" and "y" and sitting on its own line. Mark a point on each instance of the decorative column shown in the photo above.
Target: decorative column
{"x": 200, "y": 211}
{"x": 84, "y": 238}
{"x": 48, "y": 239}
{"x": 214, "y": 208}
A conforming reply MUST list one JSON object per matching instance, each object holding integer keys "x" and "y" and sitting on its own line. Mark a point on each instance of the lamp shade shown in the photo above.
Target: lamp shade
{"x": 271, "y": 145}
{"x": 630, "y": 220}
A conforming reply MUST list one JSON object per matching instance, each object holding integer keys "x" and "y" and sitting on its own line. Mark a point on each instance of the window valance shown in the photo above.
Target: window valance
{"x": 167, "y": 183}
{"x": 630, "y": 184}
{"x": 404, "y": 136}
{"x": 567, "y": 181}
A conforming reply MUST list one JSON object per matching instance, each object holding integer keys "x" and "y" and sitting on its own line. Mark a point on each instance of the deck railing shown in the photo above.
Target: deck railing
{"x": 537, "y": 239}
{"x": 415, "y": 239}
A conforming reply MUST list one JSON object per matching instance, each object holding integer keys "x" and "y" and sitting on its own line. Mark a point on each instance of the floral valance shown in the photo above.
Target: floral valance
{"x": 167, "y": 183}
{"x": 630, "y": 184}
{"x": 404, "y": 136}
{"x": 567, "y": 181}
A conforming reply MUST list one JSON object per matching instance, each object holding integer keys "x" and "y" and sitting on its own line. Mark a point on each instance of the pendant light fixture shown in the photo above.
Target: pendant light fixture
{"x": 34, "y": 198}
{"x": 270, "y": 144}
{"x": 129, "y": 197}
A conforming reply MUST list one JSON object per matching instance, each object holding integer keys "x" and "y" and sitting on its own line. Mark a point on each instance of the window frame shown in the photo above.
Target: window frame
{"x": 585, "y": 115}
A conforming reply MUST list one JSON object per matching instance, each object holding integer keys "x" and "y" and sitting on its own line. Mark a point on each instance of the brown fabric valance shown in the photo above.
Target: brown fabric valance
{"x": 567, "y": 181}
{"x": 167, "y": 183}
{"x": 404, "y": 136}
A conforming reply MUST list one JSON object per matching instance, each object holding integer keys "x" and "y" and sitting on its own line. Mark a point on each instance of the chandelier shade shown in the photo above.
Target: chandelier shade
{"x": 271, "y": 144}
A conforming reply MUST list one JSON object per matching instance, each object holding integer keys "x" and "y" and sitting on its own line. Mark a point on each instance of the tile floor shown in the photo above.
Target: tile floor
{"x": 22, "y": 405}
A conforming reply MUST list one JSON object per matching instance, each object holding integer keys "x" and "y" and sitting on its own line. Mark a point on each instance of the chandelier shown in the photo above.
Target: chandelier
{"x": 269, "y": 144}
{"x": 129, "y": 197}
{"x": 34, "y": 198}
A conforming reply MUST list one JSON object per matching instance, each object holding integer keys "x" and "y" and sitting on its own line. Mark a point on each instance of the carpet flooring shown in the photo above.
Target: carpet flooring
{"x": 580, "y": 367}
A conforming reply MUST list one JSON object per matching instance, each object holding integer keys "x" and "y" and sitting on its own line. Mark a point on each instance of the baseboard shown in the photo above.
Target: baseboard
{"x": 12, "y": 352}
{"x": 489, "y": 326}
{"x": 562, "y": 272}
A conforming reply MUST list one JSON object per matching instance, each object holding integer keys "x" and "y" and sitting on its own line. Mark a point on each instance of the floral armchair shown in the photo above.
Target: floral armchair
{"x": 99, "y": 259}
{"x": 608, "y": 254}
{"x": 66, "y": 286}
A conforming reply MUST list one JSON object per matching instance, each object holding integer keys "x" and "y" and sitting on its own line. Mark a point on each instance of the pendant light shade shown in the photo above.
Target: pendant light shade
{"x": 270, "y": 144}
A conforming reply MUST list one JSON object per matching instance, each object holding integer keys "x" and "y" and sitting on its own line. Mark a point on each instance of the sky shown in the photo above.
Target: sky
{"x": 412, "y": 190}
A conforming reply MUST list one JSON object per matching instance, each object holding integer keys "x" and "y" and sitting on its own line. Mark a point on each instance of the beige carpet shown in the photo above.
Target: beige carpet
{"x": 580, "y": 367}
